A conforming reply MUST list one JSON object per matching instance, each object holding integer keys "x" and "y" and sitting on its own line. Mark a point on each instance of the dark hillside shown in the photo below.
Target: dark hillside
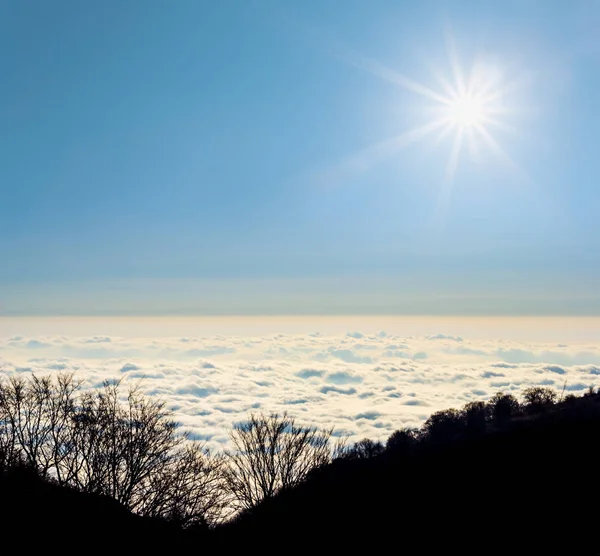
{"x": 530, "y": 489}
{"x": 496, "y": 477}
{"x": 37, "y": 515}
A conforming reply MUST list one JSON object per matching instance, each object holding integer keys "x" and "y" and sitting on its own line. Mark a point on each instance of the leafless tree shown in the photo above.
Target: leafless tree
{"x": 123, "y": 445}
{"x": 189, "y": 490}
{"x": 117, "y": 445}
{"x": 271, "y": 452}
{"x": 35, "y": 419}
{"x": 9, "y": 452}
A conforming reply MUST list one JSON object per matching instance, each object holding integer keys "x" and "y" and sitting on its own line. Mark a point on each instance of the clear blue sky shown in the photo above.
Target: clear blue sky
{"x": 238, "y": 157}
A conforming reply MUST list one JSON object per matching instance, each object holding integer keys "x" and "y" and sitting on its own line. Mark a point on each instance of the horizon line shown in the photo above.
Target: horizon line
{"x": 297, "y": 315}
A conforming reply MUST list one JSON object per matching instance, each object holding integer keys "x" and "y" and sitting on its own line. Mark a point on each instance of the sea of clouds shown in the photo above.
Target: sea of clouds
{"x": 363, "y": 383}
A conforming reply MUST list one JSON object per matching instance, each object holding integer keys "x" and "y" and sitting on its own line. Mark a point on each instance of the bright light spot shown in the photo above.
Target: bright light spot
{"x": 466, "y": 111}
{"x": 469, "y": 105}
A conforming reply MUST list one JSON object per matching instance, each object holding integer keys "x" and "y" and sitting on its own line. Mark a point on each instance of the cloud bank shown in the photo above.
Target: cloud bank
{"x": 363, "y": 384}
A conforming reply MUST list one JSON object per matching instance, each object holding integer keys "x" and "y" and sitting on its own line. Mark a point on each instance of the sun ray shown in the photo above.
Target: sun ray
{"x": 493, "y": 144}
{"x": 392, "y": 76}
{"x": 468, "y": 104}
{"x": 495, "y": 122}
{"x": 501, "y": 154}
{"x": 507, "y": 89}
{"x": 446, "y": 130}
{"x": 448, "y": 88}
{"x": 471, "y": 142}
{"x": 366, "y": 158}
{"x": 448, "y": 182}
{"x": 454, "y": 156}
{"x": 455, "y": 65}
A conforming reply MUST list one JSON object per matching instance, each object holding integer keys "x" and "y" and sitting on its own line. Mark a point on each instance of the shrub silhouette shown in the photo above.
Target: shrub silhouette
{"x": 570, "y": 399}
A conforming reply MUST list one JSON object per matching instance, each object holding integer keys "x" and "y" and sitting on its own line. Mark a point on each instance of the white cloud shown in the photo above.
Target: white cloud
{"x": 444, "y": 337}
{"x": 363, "y": 384}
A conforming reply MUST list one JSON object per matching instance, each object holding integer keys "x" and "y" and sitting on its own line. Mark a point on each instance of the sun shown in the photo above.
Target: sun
{"x": 469, "y": 106}
{"x": 467, "y": 111}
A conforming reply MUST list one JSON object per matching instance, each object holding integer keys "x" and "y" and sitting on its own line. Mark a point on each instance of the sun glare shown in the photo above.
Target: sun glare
{"x": 469, "y": 106}
{"x": 466, "y": 111}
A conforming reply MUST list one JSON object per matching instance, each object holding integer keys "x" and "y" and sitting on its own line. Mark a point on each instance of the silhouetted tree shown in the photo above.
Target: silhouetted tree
{"x": 402, "y": 441}
{"x": 272, "y": 452}
{"x": 538, "y": 398}
{"x": 364, "y": 449}
{"x": 475, "y": 416}
{"x": 101, "y": 441}
{"x": 570, "y": 400}
{"x": 127, "y": 446}
{"x": 502, "y": 407}
{"x": 35, "y": 418}
{"x": 443, "y": 426}
{"x": 189, "y": 490}
{"x": 119, "y": 446}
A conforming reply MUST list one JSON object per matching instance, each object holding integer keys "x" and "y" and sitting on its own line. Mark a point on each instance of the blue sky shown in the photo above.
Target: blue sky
{"x": 239, "y": 157}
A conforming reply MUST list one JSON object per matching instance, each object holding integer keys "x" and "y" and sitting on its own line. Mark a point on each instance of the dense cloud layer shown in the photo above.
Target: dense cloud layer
{"x": 365, "y": 385}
